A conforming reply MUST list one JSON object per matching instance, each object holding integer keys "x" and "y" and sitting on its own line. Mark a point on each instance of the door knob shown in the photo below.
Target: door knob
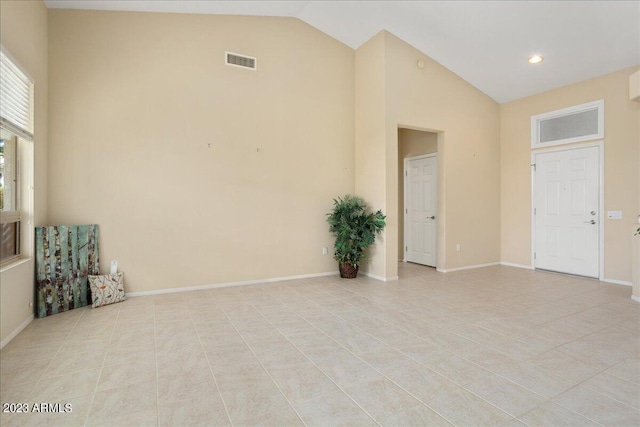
{"x": 592, "y": 222}
{"x": 431, "y": 217}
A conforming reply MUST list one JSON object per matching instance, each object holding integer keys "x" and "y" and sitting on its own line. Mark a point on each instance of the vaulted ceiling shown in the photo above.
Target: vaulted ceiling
{"x": 487, "y": 43}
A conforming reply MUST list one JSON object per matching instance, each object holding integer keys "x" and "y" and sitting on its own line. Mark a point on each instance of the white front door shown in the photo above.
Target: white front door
{"x": 566, "y": 209}
{"x": 421, "y": 201}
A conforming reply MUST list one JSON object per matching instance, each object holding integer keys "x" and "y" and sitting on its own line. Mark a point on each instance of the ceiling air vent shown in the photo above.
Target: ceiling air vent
{"x": 242, "y": 61}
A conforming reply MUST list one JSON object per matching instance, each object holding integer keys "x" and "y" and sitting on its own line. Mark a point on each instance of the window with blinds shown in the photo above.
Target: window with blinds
{"x": 16, "y": 129}
{"x": 574, "y": 124}
{"x": 16, "y": 98}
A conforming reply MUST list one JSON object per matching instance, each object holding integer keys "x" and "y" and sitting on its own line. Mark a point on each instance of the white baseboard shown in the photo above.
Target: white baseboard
{"x": 508, "y": 264}
{"x": 224, "y": 285}
{"x": 469, "y": 267}
{"x": 16, "y": 331}
{"x": 635, "y": 298}
{"x": 617, "y": 282}
{"x": 382, "y": 279}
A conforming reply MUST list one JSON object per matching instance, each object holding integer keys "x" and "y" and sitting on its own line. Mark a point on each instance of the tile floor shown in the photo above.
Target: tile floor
{"x": 497, "y": 346}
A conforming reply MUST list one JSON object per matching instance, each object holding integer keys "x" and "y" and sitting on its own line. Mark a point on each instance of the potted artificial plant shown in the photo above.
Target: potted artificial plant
{"x": 355, "y": 230}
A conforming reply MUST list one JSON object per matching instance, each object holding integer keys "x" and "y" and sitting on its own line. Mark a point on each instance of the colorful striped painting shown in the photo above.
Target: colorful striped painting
{"x": 65, "y": 256}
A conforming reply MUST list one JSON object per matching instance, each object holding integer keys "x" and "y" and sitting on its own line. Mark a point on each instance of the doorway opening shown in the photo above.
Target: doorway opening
{"x": 417, "y": 196}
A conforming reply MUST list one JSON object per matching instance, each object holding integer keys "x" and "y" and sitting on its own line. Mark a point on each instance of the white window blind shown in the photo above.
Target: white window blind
{"x": 582, "y": 122}
{"x": 16, "y": 98}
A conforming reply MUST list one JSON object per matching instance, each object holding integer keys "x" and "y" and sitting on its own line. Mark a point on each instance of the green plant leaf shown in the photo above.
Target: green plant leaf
{"x": 354, "y": 228}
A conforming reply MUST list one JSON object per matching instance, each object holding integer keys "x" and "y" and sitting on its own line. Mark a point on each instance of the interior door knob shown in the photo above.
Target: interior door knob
{"x": 431, "y": 217}
{"x": 592, "y": 222}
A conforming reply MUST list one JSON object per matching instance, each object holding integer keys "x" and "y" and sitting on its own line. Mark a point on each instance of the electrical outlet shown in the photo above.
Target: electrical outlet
{"x": 114, "y": 267}
{"x": 457, "y": 247}
{"x": 325, "y": 250}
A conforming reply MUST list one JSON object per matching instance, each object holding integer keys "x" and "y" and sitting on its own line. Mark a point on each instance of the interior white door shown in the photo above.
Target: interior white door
{"x": 421, "y": 201}
{"x": 567, "y": 200}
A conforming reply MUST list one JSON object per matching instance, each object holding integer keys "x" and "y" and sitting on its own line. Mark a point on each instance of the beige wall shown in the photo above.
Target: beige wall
{"x": 23, "y": 32}
{"x": 621, "y": 167}
{"x": 370, "y": 125}
{"x": 635, "y": 262}
{"x": 635, "y": 228}
{"x": 199, "y": 173}
{"x": 467, "y": 122}
{"x": 411, "y": 143}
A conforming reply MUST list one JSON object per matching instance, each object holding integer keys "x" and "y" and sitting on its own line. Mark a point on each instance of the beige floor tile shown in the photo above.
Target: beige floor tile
{"x": 287, "y": 357}
{"x": 176, "y": 386}
{"x": 517, "y": 350}
{"x": 260, "y": 404}
{"x": 509, "y": 397}
{"x": 565, "y": 366}
{"x": 457, "y": 369}
{"x": 346, "y": 370}
{"x": 421, "y": 337}
{"x": 130, "y": 400}
{"x": 600, "y": 356}
{"x": 334, "y": 410}
{"x": 17, "y": 373}
{"x": 598, "y": 407}
{"x": 235, "y": 383}
{"x": 486, "y": 357}
{"x": 551, "y": 414}
{"x": 204, "y": 410}
{"x": 219, "y": 332}
{"x": 534, "y": 378}
{"x": 422, "y": 351}
{"x": 125, "y": 353}
{"x": 628, "y": 370}
{"x": 461, "y": 407}
{"x": 65, "y": 386}
{"x": 175, "y": 329}
{"x": 17, "y": 392}
{"x": 132, "y": 323}
{"x": 134, "y": 371}
{"x": 421, "y": 382}
{"x": 232, "y": 369}
{"x": 136, "y": 334}
{"x": 418, "y": 415}
{"x": 222, "y": 354}
{"x": 274, "y": 344}
{"x": 307, "y": 339}
{"x": 84, "y": 345}
{"x": 178, "y": 344}
{"x": 514, "y": 422}
{"x": 615, "y": 388}
{"x": 387, "y": 360}
{"x": 27, "y": 352}
{"x": 184, "y": 361}
{"x": 302, "y": 382}
{"x": 11, "y": 419}
{"x": 380, "y": 397}
{"x": 140, "y": 418}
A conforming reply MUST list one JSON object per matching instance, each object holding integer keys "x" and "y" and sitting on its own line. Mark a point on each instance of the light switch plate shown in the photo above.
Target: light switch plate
{"x": 614, "y": 214}
{"x": 114, "y": 267}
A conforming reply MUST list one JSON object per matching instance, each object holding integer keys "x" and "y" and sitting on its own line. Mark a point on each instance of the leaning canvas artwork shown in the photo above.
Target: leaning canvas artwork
{"x": 65, "y": 257}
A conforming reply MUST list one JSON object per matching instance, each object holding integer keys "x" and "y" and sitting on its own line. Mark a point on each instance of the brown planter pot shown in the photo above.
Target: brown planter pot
{"x": 348, "y": 271}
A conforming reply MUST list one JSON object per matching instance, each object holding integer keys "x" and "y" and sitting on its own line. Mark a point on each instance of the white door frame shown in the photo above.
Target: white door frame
{"x": 406, "y": 181}
{"x": 601, "y": 216}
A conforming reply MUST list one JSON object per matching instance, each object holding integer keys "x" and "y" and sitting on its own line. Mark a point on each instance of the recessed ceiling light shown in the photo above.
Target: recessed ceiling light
{"x": 535, "y": 59}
